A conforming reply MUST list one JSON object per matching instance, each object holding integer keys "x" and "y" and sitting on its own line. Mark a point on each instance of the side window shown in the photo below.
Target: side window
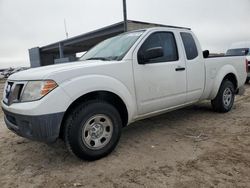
{"x": 166, "y": 41}
{"x": 189, "y": 45}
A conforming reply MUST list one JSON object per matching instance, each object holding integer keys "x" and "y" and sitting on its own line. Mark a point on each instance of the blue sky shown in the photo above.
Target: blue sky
{"x": 29, "y": 23}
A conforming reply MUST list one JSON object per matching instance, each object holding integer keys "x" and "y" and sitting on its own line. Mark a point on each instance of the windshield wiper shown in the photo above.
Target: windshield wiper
{"x": 110, "y": 58}
{"x": 99, "y": 58}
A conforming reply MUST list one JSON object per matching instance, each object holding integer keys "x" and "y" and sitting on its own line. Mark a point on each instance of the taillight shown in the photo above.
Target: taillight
{"x": 246, "y": 65}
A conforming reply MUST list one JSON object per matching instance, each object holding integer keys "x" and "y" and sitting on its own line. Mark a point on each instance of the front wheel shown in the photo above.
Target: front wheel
{"x": 224, "y": 99}
{"x": 93, "y": 130}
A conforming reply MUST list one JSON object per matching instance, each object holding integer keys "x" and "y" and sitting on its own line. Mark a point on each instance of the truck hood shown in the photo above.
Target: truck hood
{"x": 48, "y": 72}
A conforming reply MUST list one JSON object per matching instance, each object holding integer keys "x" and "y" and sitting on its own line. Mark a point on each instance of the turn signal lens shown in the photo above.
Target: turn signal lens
{"x": 47, "y": 87}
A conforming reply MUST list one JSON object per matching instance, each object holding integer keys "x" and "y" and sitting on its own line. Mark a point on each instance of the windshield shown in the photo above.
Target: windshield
{"x": 114, "y": 48}
{"x": 238, "y": 51}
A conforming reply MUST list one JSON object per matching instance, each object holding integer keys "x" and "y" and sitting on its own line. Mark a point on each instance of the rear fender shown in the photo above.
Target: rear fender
{"x": 221, "y": 74}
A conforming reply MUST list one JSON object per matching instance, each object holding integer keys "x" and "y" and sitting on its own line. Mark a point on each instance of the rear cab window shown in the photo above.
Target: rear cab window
{"x": 189, "y": 45}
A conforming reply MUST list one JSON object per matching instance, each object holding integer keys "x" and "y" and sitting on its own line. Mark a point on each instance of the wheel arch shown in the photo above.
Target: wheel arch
{"x": 231, "y": 77}
{"x": 227, "y": 72}
{"x": 103, "y": 95}
{"x": 227, "y": 76}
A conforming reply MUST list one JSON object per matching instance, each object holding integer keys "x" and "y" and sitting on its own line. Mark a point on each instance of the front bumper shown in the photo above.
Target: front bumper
{"x": 44, "y": 128}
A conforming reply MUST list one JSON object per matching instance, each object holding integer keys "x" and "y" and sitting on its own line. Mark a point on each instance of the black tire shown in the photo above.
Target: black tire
{"x": 218, "y": 103}
{"x": 77, "y": 122}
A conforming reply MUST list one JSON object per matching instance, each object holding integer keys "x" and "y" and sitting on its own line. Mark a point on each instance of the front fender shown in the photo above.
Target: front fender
{"x": 225, "y": 70}
{"x": 80, "y": 86}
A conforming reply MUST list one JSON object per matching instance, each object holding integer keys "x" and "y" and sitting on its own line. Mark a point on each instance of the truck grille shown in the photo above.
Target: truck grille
{"x": 12, "y": 92}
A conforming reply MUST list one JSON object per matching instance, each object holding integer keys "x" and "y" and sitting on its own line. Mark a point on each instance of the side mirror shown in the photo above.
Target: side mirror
{"x": 150, "y": 53}
{"x": 206, "y": 53}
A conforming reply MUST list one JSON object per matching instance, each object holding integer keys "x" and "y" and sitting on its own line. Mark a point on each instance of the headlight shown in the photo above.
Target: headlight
{"x": 35, "y": 90}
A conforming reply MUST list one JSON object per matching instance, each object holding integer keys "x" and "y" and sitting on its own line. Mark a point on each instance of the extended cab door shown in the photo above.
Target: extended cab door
{"x": 160, "y": 83}
{"x": 194, "y": 65}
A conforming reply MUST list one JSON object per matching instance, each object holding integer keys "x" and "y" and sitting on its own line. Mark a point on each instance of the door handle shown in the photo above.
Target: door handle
{"x": 180, "y": 69}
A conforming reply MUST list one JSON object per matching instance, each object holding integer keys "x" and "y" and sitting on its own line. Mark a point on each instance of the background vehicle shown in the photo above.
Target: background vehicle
{"x": 11, "y": 71}
{"x": 123, "y": 79}
{"x": 241, "y": 49}
{"x": 6, "y": 73}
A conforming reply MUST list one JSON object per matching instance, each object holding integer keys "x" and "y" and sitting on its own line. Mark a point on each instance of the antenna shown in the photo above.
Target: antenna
{"x": 65, "y": 27}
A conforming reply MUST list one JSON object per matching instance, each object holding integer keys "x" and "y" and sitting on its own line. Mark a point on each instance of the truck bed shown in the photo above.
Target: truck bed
{"x": 216, "y": 65}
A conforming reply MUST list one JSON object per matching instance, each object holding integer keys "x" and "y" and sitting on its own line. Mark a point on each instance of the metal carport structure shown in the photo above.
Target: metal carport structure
{"x": 65, "y": 50}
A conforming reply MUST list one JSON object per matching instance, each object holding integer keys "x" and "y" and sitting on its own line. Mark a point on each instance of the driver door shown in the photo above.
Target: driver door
{"x": 160, "y": 82}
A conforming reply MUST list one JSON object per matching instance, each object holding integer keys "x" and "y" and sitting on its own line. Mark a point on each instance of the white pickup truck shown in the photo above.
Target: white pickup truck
{"x": 123, "y": 79}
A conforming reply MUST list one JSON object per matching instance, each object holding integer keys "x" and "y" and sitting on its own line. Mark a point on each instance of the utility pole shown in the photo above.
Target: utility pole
{"x": 125, "y": 16}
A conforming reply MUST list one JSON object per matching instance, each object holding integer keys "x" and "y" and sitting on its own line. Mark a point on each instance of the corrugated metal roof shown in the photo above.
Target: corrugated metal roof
{"x": 85, "y": 41}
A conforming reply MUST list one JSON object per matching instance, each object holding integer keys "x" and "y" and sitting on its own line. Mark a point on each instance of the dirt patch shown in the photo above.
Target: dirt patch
{"x": 192, "y": 147}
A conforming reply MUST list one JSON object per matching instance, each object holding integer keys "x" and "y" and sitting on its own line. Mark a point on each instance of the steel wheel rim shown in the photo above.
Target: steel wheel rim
{"x": 97, "y": 131}
{"x": 227, "y": 97}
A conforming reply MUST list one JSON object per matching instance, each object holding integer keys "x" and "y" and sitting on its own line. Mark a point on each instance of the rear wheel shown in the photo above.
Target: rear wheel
{"x": 224, "y": 100}
{"x": 93, "y": 130}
